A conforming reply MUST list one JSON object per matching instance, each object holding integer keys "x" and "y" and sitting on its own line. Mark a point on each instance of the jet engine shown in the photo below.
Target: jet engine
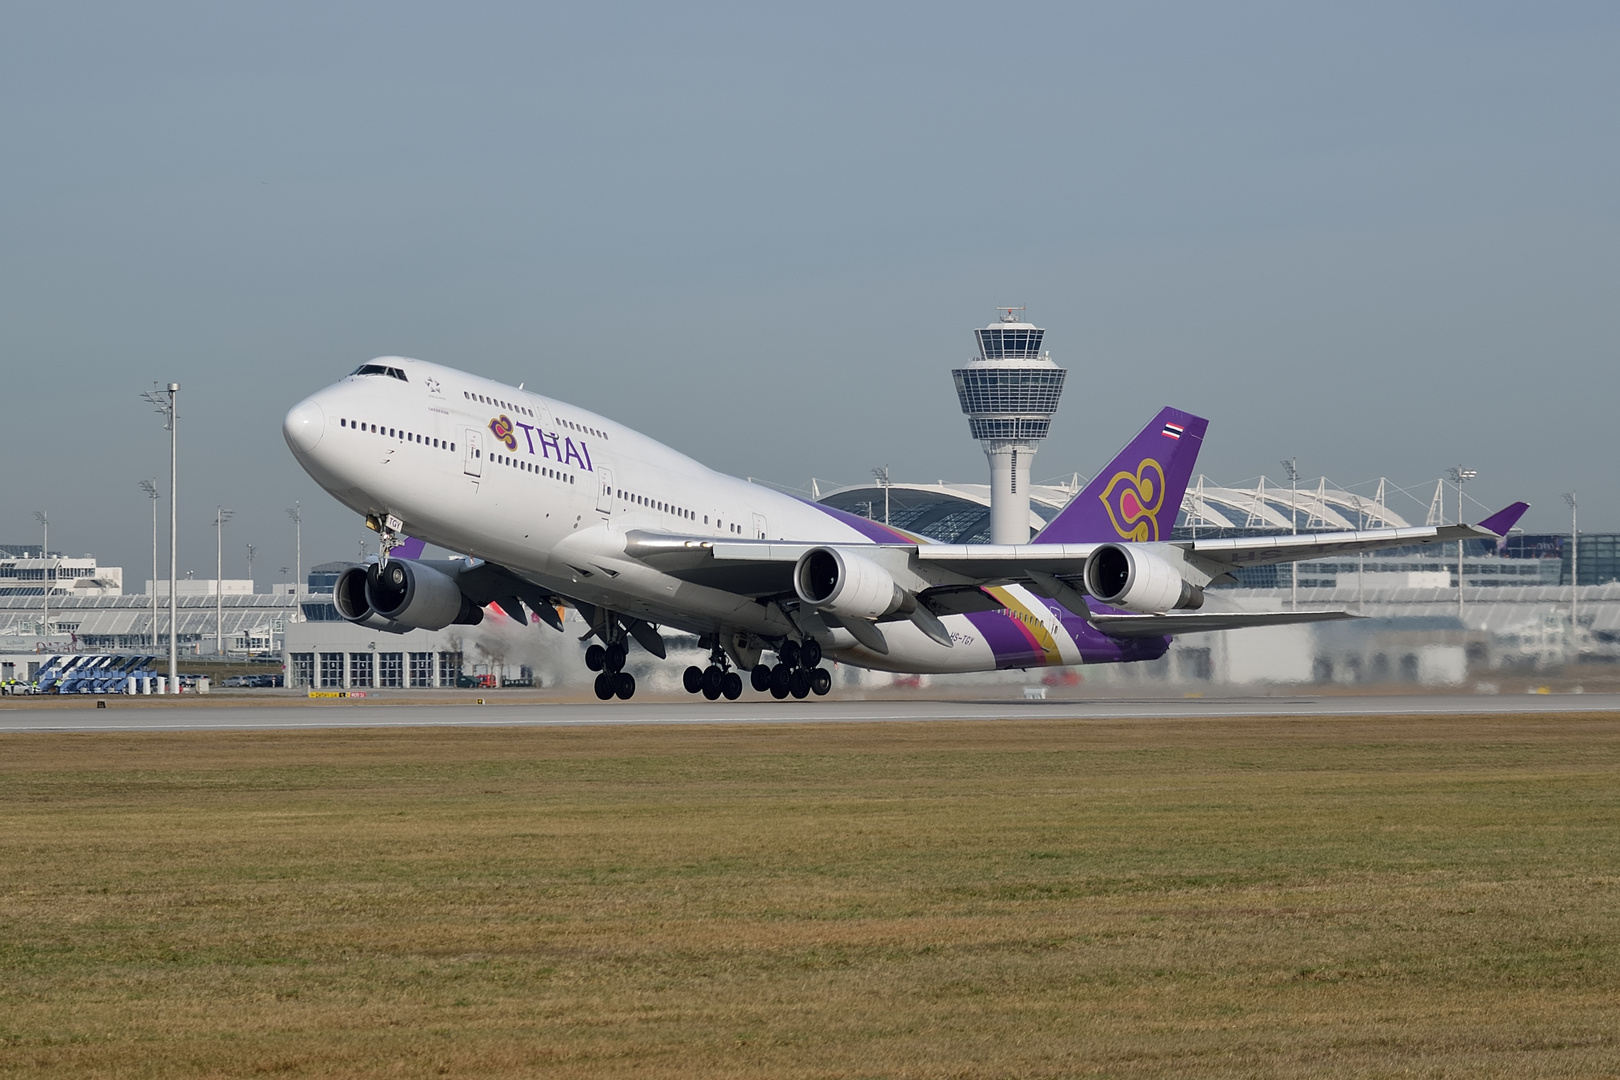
{"x": 419, "y": 596}
{"x": 846, "y": 584}
{"x": 1130, "y": 577}
{"x": 349, "y": 597}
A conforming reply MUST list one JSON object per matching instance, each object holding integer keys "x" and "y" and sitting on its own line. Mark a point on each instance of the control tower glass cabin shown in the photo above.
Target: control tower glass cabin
{"x": 1009, "y": 393}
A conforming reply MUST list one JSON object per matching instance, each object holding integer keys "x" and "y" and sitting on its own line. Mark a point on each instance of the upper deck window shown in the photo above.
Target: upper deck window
{"x": 379, "y": 369}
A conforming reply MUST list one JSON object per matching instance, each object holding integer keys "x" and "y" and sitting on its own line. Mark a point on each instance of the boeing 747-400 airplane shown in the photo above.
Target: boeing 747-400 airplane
{"x": 554, "y": 505}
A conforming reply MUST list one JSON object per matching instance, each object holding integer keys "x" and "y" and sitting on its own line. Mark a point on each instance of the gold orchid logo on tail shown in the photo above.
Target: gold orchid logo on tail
{"x": 1134, "y": 500}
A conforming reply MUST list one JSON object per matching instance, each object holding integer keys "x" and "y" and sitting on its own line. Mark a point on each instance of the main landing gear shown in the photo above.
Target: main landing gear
{"x": 613, "y": 681}
{"x": 797, "y": 673}
{"x": 714, "y": 680}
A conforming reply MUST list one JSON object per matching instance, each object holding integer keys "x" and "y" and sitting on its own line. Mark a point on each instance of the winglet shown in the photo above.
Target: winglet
{"x": 1504, "y": 519}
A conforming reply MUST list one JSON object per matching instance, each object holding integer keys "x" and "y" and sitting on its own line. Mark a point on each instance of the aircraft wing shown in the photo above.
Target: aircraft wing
{"x": 762, "y": 568}
{"x": 1196, "y": 622}
{"x": 1262, "y": 550}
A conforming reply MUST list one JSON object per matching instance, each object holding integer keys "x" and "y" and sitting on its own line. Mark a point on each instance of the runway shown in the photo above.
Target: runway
{"x": 275, "y": 717}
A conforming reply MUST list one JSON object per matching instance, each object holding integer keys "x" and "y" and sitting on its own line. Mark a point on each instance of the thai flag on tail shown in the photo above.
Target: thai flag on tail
{"x": 1172, "y": 431}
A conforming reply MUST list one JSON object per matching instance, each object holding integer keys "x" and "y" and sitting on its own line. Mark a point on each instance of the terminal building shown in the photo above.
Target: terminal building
{"x": 26, "y": 571}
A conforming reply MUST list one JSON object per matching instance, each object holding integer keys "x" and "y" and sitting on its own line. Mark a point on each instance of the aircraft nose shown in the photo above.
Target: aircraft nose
{"x": 304, "y": 426}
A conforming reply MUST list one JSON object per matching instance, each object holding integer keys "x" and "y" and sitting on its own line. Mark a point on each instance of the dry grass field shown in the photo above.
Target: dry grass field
{"x": 1402, "y": 897}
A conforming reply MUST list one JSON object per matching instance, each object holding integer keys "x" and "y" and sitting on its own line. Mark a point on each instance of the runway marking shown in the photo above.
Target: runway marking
{"x": 292, "y": 718}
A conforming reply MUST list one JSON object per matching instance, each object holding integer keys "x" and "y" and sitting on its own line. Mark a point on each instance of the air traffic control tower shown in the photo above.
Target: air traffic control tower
{"x": 1009, "y": 392}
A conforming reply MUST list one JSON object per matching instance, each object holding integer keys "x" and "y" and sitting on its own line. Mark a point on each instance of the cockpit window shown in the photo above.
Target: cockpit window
{"x": 378, "y": 369}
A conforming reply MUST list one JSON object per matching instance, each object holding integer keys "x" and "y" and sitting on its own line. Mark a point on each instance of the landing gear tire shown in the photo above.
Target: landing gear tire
{"x": 692, "y": 679}
{"x": 593, "y": 657}
{"x": 810, "y": 654}
{"x": 781, "y": 678}
{"x": 789, "y": 653}
{"x": 613, "y": 657}
{"x": 820, "y": 681}
{"x": 799, "y": 684}
{"x": 713, "y": 680}
{"x": 760, "y": 678}
{"x": 624, "y": 685}
{"x": 733, "y": 686}
{"x": 604, "y": 686}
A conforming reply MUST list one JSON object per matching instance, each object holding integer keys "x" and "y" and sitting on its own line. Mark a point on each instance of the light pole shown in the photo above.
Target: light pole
{"x": 151, "y": 489}
{"x": 166, "y": 402}
{"x": 1459, "y": 475}
{"x": 221, "y": 516}
{"x": 294, "y": 512}
{"x": 1574, "y": 555}
{"x": 252, "y": 551}
{"x": 44, "y": 520}
{"x": 883, "y": 479}
{"x": 1292, "y": 465}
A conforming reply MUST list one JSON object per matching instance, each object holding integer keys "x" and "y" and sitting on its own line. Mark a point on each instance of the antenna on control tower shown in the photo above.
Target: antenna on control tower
{"x": 1009, "y": 393}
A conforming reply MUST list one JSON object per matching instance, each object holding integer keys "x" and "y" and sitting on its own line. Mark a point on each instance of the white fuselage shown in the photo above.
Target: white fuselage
{"x": 552, "y": 491}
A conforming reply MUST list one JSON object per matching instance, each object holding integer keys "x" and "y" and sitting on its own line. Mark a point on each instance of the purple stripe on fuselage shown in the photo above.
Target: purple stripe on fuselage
{"x": 1009, "y": 642}
{"x": 875, "y": 531}
{"x": 1097, "y": 647}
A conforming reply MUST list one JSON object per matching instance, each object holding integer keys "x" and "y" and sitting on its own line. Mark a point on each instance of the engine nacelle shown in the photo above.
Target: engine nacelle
{"x": 1130, "y": 577}
{"x": 349, "y": 597}
{"x": 416, "y": 596}
{"x": 846, "y": 584}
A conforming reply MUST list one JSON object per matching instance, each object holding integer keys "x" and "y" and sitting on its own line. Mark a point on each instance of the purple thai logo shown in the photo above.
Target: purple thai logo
{"x": 501, "y": 427}
{"x": 1134, "y": 500}
{"x": 548, "y": 445}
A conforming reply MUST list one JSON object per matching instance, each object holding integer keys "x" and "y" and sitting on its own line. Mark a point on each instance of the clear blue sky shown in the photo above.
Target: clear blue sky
{"x": 1380, "y": 237}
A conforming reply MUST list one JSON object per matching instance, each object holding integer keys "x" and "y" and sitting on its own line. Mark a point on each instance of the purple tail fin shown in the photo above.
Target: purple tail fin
{"x": 1138, "y": 496}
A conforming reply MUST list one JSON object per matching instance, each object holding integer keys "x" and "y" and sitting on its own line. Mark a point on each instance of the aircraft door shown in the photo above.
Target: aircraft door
{"x": 472, "y": 453}
{"x": 759, "y": 526}
{"x": 604, "y": 489}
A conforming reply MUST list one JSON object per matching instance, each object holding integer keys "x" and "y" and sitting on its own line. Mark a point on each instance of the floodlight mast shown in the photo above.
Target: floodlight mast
{"x": 221, "y": 516}
{"x": 1459, "y": 476}
{"x": 1574, "y": 555}
{"x": 883, "y": 480}
{"x": 44, "y": 520}
{"x": 166, "y": 402}
{"x": 1291, "y": 465}
{"x": 295, "y": 512}
{"x": 151, "y": 489}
